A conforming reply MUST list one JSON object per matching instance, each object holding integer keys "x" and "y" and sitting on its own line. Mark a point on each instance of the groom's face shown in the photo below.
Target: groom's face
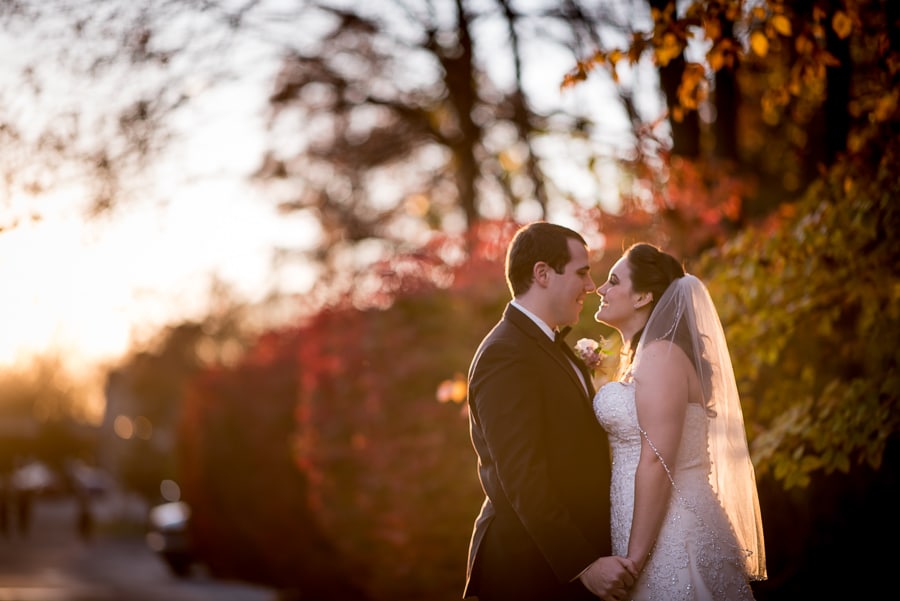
{"x": 570, "y": 287}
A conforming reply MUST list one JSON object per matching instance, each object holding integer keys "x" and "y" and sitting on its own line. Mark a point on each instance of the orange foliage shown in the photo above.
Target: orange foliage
{"x": 698, "y": 206}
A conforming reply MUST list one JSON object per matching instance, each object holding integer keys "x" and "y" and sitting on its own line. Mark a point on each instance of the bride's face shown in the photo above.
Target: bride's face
{"x": 617, "y": 298}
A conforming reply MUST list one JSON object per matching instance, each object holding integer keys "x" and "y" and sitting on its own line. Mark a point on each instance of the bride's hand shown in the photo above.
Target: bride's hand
{"x": 639, "y": 563}
{"x": 609, "y": 577}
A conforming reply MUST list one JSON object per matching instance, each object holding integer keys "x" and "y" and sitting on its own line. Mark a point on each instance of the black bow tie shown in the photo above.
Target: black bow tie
{"x": 560, "y": 335}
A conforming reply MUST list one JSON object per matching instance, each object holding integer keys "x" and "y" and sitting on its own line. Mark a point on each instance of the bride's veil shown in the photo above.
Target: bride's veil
{"x": 685, "y": 315}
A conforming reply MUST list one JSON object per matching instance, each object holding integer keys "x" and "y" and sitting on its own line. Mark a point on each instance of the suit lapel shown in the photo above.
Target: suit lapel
{"x": 561, "y": 353}
{"x": 567, "y": 350}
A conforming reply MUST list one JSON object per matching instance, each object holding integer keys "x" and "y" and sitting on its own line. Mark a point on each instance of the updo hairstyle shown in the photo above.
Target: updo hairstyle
{"x": 652, "y": 270}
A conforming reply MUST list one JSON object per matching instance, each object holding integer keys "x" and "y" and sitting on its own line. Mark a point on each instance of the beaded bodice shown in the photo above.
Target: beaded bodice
{"x": 695, "y": 557}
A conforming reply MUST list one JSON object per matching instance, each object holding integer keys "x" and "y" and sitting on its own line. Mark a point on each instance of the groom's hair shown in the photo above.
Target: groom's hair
{"x": 538, "y": 241}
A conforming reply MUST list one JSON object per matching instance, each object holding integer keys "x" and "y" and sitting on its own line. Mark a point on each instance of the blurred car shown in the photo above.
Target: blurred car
{"x": 35, "y": 477}
{"x": 89, "y": 480}
{"x": 167, "y": 534}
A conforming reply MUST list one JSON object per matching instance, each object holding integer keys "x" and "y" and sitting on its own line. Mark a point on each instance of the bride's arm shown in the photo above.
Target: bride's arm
{"x": 661, "y": 397}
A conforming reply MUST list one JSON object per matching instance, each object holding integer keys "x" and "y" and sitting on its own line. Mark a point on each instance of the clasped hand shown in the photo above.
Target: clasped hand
{"x": 610, "y": 577}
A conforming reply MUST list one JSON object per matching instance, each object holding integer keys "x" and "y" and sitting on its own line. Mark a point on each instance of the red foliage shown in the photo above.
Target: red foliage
{"x": 251, "y": 519}
{"x": 697, "y": 207}
{"x": 324, "y": 461}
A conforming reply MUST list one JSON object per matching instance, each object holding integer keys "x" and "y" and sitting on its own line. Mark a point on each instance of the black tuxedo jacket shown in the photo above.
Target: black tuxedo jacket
{"x": 544, "y": 465}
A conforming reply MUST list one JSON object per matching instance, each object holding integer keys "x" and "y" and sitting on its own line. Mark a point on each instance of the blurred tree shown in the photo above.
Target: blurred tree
{"x": 817, "y": 115}
{"x": 812, "y": 323}
{"x": 88, "y": 121}
{"x": 808, "y": 291}
{"x": 42, "y": 415}
{"x": 764, "y": 94}
{"x": 145, "y": 394}
{"x": 323, "y": 463}
{"x": 407, "y": 118}
{"x": 381, "y": 488}
{"x": 251, "y": 515}
{"x": 388, "y": 120}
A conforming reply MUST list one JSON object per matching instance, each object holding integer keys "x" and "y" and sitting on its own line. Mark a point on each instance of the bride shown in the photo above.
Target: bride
{"x": 684, "y": 500}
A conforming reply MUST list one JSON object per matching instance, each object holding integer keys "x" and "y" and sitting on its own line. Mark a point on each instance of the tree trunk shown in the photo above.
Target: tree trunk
{"x": 727, "y": 99}
{"x": 837, "y": 90}
{"x": 460, "y": 78}
{"x": 686, "y": 132}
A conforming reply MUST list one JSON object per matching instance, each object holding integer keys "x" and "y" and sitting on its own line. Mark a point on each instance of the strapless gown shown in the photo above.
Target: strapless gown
{"x": 696, "y": 556}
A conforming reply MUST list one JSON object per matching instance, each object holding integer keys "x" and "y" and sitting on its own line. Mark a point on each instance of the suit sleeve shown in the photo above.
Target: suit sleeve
{"x": 510, "y": 407}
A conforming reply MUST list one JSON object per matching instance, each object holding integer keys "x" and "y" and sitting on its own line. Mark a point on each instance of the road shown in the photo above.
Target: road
{"x": 52, "y": 563}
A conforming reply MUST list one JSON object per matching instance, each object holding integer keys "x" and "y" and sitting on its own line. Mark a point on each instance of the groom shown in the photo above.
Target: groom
{"x": 543, "y": 459}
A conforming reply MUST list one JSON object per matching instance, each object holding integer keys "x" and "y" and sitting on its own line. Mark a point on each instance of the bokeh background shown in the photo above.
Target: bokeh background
{"x": 247, "y": 249}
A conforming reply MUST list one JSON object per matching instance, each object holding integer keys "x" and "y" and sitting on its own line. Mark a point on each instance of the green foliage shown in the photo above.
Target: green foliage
{"x": 808, "y": 292}
{"x": 809, "y": 303}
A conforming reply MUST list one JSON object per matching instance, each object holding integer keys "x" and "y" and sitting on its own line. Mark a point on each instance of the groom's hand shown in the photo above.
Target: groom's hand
{"x": 609, "y": 577}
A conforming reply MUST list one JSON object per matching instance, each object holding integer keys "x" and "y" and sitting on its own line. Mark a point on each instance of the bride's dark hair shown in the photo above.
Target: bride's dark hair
{"x": 653, "y": 270}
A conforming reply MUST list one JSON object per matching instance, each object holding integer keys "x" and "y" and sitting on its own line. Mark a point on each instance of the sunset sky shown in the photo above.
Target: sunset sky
{"x": 85, "y": 288}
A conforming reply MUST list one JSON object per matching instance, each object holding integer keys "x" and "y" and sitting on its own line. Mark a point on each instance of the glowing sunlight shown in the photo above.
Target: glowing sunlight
{"x": 87, "y": 289}
{"x": 58, "y": 292}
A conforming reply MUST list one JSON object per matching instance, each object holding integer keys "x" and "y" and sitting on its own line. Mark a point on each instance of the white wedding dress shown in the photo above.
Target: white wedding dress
{"x": 695, "y": 557}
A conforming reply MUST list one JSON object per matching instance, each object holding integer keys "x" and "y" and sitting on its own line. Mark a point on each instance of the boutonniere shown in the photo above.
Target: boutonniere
{"x": 592, "y": 353}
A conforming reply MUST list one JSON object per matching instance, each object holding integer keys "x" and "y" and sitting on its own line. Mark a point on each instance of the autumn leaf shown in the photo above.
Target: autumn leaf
{"x": 816, "y": 31}
{"x": 722, "y": 54}
{"x": 885, "y": 107}
{"x": 804, "y": 45}
{"x": 827, "y": 59}
{"x": 691, "y": 92}
{"x": 638, "y": 44}
{"x": 453, "y": 389}
{"x": 712, "y": 29}
{"x": 848, "y": 185}
{"x": 842, "y": 24}
{"x": 781, "y": 24}
{"x": 615, "y": 56}
{"x": 716, "y": 59}
{"x": 893, "y": 64}
{"x": 582, "y": 69}
{"x": 759, "y": 43}
{"x": 570, "y": 79}
{"x": 668, "y": 49}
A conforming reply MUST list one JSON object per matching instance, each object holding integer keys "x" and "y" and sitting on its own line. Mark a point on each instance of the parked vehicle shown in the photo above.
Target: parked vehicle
{"x": 35, "y": 477}
{"x": 168, "y": 535}
{"x": 89, "y": 480}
